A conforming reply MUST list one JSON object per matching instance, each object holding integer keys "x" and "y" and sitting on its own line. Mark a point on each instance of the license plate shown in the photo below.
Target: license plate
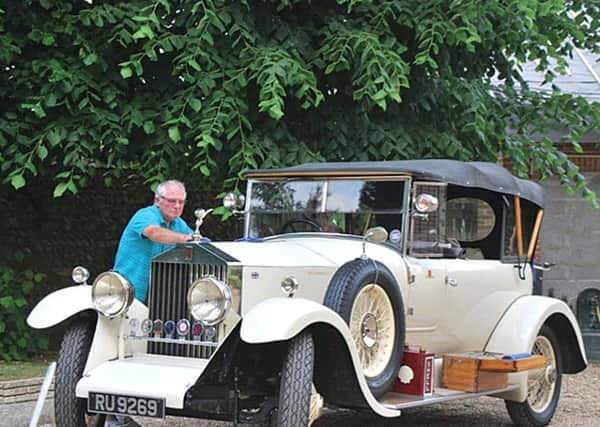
{"x": 107, "y": 403}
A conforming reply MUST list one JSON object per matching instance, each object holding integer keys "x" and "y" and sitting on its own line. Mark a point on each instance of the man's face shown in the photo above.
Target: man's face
{"x": 171, "y": 204}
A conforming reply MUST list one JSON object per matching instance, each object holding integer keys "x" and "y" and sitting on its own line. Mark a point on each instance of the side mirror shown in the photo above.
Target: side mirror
{"x": 233, "y": 201}
{"x": 374, "y": 235}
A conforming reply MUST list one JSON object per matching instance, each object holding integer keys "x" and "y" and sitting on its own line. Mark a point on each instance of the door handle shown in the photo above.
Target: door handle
{"x": 451, "y": 281}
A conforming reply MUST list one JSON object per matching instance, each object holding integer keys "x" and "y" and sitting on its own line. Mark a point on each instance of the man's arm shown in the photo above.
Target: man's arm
{"x": 162, "y": 235}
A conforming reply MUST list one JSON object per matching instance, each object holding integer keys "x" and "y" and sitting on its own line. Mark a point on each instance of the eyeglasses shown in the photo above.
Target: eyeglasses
{"x": 173, "y": 201}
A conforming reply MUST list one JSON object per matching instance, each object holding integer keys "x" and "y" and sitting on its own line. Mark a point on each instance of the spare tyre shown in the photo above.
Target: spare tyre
{"x": 366, "y": 295}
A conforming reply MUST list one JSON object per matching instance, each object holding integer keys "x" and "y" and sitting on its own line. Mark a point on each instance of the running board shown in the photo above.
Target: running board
{"x": 402, "y": 401}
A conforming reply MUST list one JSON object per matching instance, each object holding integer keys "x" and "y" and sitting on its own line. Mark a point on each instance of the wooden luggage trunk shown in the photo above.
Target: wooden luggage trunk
{"x": 463, "y": 372}
{"x": 475, "y": 372}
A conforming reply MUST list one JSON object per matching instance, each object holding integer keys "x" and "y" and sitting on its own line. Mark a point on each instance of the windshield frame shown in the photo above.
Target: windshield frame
{"x": 326, "y": 180}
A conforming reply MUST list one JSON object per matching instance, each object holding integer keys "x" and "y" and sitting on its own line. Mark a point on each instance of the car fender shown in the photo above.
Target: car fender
{"x": 519, "y": 326}
{"x": 60, "y": 305}
{"x": 105, "y": 344}
{"x": 280, "y": 319}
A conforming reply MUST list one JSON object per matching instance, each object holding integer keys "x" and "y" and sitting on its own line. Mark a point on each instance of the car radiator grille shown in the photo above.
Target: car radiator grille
{"x": 169, "y": 284}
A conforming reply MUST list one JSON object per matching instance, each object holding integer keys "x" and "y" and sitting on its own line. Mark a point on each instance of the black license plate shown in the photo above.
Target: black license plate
{"x": 107, "y": 403}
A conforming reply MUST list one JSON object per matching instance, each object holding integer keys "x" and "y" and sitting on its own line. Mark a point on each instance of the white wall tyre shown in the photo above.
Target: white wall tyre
{"x": 69, "y": 411}
{"x": 296, "y": 382}
{"x": 543, "y": 385}
{"x": 366, "y": 295}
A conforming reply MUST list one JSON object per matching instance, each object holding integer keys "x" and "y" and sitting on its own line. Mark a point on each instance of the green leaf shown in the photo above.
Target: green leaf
{"x": 126, "y": 72}
{"x": 42, "y": 152}
{"x": 60, "y": 189}
{"x": 192, "y": 63}
{"x": 149, "y": 127}
{"x": 174, "y": 134}
{"x": 195, "y": 104}
{"x": 17, "y": 181}
{"x": 204, "y": 170}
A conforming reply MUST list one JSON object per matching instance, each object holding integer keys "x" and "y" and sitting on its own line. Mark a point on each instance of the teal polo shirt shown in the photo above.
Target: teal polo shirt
{"x": 135, "y": 250}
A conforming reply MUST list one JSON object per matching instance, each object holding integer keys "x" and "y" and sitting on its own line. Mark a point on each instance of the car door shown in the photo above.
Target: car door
{"x": 477, "y": 293}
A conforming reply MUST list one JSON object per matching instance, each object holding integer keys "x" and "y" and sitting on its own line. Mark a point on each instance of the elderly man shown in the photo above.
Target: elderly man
{"x": 150, "y": 231}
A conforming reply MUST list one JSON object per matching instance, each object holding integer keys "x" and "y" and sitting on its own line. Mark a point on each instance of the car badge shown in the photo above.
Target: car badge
{"x": 157, "y": 328}
{"x": 395, "y": 235}
{"x": 197, "y": 329}
{"x": 133, "y": 327}
{"x": 146, "y": 327}
{"x": 169, "y": 328}
{"x": 254, "y": 275}
{"x": 210, "y": 333}
{"x": 183, "y": 328}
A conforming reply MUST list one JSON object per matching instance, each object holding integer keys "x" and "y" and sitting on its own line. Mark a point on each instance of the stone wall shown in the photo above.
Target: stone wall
{"x": 570, "y": 237}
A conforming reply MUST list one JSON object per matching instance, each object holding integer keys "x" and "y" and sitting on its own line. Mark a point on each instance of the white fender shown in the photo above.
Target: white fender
{"x": 105, "y": 345}
{"x": 60, "y": 305}
{"x": 518, "y": 328}
{"x": 279, "y": 319}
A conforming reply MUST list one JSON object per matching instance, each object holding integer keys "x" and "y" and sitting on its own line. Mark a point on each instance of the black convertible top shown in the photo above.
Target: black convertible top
{"x": 488, "y": 176}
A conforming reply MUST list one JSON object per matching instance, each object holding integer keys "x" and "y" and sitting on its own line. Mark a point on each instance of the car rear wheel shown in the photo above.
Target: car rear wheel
{"x": 367, "y": 297}
{"x": 543, "y": 385}
{"x": 296, "y": 382}
{"x": 69, "y": 411}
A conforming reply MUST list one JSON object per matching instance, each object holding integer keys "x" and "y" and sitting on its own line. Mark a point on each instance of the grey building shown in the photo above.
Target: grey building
{"x": 571, "y": 230}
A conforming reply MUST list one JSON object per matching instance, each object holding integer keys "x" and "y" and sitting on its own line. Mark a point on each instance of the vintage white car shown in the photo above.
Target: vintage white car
{"x": 340, "y": 267}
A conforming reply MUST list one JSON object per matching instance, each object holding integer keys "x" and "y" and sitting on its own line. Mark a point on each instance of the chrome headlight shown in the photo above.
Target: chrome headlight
{"x": 208, "y": 300}
{"x": 112, "y": 294}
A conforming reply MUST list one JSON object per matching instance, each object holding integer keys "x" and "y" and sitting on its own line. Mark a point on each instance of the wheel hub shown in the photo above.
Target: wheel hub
{"x": 550, "y": 374}
{"x": 369, "y": 330}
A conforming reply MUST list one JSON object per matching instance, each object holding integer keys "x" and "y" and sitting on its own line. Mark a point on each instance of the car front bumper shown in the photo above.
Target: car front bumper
{"x": 144, "y": 375}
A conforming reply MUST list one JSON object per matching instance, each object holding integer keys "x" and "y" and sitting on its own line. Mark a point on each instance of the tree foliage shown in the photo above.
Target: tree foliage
{"x": 17, "y": 286}
{"x": 203, "y": 90}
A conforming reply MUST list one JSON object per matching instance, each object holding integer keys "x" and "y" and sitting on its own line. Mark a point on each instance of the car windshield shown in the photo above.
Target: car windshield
{"x": 335, "y": 206}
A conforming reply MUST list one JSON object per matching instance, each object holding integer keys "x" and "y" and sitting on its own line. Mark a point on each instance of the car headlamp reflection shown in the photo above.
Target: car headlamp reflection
{"x": 208, "y": 300}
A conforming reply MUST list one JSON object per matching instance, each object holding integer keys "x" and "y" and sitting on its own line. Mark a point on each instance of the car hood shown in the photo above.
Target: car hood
{"x": 294, "y": 251}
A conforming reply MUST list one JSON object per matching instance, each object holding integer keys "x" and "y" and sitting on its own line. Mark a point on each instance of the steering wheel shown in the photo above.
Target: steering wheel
{"x": 290, "y": 224}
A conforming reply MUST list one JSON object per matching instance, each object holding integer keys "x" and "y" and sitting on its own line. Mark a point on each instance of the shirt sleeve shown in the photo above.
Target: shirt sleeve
{"x": 182, "y": 227}
{"x": 142, "y": 219}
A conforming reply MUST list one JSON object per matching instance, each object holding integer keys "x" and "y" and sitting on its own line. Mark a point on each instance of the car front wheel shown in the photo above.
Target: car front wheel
{"x": 543, "y": 385}
{"x": 296, "y": 382}
{"x": 69, "y": 411}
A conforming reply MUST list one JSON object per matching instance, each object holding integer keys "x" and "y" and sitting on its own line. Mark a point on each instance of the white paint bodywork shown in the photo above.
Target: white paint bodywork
{"x": 278, "y": 319}
{"x": 144, "y": 375}
{"x": 312, "y": 260}
{"x": 60, "y": 305}
{"x": 518, "y": 328}
{"x": 445, "y": 318}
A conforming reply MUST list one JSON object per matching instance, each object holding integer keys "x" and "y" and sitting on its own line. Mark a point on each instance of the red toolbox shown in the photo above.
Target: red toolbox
{"x": 416, "y": 373}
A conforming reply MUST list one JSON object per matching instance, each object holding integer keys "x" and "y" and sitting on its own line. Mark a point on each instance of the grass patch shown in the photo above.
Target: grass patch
{"x": 15, "y": 370}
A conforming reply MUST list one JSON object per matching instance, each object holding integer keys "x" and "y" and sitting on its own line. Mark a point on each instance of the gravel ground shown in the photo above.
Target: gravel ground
{"x": 579, "y": 405}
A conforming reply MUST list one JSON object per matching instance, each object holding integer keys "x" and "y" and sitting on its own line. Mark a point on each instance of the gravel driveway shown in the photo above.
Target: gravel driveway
{"x": 579, "y": 405}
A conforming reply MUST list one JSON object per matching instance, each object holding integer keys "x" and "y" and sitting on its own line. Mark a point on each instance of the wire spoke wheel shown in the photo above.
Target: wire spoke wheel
{"x": 541, "y": 384}
{"x": 372, "y": 328}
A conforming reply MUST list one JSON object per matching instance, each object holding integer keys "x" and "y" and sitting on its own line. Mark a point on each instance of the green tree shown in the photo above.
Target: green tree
{"x": 207, "y": 89}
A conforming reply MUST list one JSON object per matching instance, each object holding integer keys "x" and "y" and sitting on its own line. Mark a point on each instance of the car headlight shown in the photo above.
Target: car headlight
{"x": 208, "y": 300}
{"x": 112, "y": 294}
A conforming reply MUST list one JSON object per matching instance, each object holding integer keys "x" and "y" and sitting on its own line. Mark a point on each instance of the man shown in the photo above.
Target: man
{"x": 150, "y": 231}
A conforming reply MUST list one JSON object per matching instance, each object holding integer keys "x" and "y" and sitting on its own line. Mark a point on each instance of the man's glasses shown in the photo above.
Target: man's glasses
{"x": 173, "y": 201}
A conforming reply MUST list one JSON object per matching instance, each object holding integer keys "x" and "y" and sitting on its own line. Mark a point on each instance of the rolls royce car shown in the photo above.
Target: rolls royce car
{"x": 374, "y": 286}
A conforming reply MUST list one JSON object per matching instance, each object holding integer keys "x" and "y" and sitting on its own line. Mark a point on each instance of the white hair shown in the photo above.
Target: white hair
{"x": 161, "y": 190}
